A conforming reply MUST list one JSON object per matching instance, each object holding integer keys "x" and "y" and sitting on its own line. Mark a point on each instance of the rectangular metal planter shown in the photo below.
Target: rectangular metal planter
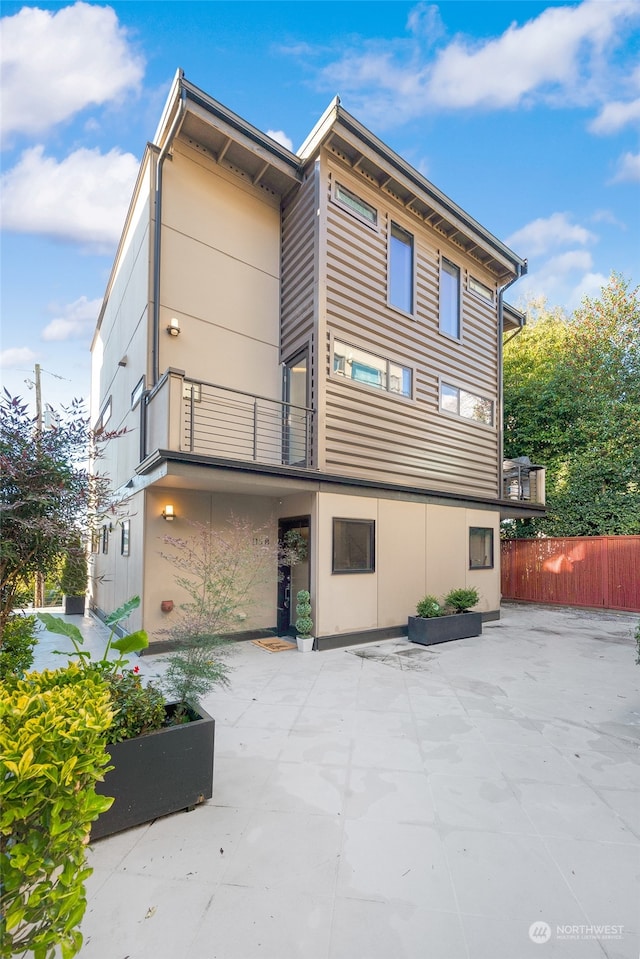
{"x": 442, "y": 629}
{"x": 74, "y": 605}
{"x": 161, "y": 773}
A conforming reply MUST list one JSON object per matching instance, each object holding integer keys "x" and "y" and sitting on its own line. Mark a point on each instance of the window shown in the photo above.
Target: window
{"x": 295, "y": 425}
{"x": 371, "y": 370}
{"x": 450, "y": 299}
{"x": 124, "y": 542}
{"x": 95, "y": 541}
{"x": 362, "y": 209}
{"x": 401, "y": 269}
{"x": 137, "y": 392}
{"x": 105, "y": 539}
{"x": 480, "y": 289}
{"x": 353, "y": 546}
{"x": 467, "y": 405}
{"x": 105, "y": 416}
{"x": 480, "y": 547}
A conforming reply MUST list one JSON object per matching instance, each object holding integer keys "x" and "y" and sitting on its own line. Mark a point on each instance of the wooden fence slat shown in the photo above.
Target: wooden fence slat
{"x": 597, "y": 571}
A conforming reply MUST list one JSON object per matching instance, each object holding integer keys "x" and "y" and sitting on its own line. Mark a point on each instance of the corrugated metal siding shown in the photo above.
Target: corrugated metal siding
{"x": 299, "y": 256}
{"x": 370, "y": 433}
{"x": 577, "y": 571}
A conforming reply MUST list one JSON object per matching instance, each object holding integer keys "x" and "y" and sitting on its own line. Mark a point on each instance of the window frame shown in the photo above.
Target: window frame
{"x": 445, "y": 260}
{"x": 476, "y": 292}
{"x": 105, "y": 415}
{"x": 370, "y": 525}
{"x": 136, "y": 392}
{"x": 105, "y": 539}
{"x": 412, "y": 246}
{"x": 125, "y": 537}
{"x": 388, "y": 361}
{"x": 460, "y": 416}
{"x": 484, "y": 530}
{"x": 344, "y": 205}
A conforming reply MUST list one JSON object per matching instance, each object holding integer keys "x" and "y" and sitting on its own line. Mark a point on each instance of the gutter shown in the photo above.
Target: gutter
{"x": 157, "y": 241}
{"x": 521, "y": 270}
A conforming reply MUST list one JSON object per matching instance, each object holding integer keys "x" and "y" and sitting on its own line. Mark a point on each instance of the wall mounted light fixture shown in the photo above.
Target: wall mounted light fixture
{"x": 174, "y": 327}
{"x": 168, "y": 512}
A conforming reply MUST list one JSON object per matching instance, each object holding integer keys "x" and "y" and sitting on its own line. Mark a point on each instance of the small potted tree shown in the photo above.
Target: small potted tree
{"x": 304, "y": 622}
{"x": 74, "y": 578}
{"x": 437, "y": 622}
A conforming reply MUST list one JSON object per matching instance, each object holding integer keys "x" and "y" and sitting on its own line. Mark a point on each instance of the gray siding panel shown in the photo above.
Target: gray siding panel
{"x": 378, "y": 436}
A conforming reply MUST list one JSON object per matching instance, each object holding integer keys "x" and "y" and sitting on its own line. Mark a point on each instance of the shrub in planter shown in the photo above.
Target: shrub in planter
{"x": 74, "y": 578}
{"x": 52, "y": 743}
{"x": 461, "y": 600}
{"x": 429, "y": 607}
{"x": 18, "y": 640}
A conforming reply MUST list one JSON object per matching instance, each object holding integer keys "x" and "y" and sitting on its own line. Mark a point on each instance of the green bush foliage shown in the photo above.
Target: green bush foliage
{"x": 18, "y": 640}
{"x": 52, "y": 743}
{"x": 304, "y": 622}
{"x": 74, "y": 570}
{"x": 429, "y": 607}
{"x": 462, "y": 599}
{"x": 137, "y": 709}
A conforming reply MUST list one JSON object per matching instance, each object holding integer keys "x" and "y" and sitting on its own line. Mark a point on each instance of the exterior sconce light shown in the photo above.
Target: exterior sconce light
{"x": 166, "y": 605}
{"x": 174, "y": 327}
{"x": 168, "y": 512}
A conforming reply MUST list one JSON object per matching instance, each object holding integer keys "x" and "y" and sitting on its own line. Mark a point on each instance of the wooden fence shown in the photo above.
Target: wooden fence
{"x": 600, "y": 571}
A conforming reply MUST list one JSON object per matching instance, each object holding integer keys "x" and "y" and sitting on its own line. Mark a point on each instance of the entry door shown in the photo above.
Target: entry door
{"x": 295, "y": 577}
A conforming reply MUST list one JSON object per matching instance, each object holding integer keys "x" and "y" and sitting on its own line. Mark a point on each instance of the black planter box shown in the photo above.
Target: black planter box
{"x": 442, "y": 629}
{"x": 161, "y": 773}
{"x": 74, "y": 605}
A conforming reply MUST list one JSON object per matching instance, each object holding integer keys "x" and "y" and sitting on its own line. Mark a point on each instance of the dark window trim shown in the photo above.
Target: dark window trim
{"x": 458, "y": 415}
{"x": 371, "y": 524}
{"x": 378, "y": 390}
{"x": 344, "y": 205}
{"x": 483, "y": 529}
{"x": 125, "y": 538}
{"x": 445, "y": 259}
{"x": 136, "y": 392}
{"x": 394, "y": 306}
{"x": 105, "y": 539}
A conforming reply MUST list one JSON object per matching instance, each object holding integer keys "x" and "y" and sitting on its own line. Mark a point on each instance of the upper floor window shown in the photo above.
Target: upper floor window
{"x": 360, "y": 207}
{"x": 105, "y": 416}
{"x": 450, "y": 298}
{"x": 400, "y": 268}
{"x": 371, "y": 370}
{"x": 480, "y": 289}
{"x": 136, "y": 393}
{"x": 465, "y": 404}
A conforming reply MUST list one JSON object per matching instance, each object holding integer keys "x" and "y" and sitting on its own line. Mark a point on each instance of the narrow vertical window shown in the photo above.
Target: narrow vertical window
{"x": 401, "y": 269}
{"x": 450, "y": 299}
{"x": 480, "y": 547}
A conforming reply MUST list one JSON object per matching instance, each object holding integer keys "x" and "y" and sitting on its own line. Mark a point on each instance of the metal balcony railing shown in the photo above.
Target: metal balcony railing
{"x": 522, "y": 480}
{"x": 218, "y": 421}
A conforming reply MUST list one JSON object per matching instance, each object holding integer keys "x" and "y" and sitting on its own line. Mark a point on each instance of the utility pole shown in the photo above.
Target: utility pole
{"x": 38, "y": 592}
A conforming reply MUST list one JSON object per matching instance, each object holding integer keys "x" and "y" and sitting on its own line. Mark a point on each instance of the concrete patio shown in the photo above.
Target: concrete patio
{"x": 474, "y": 800}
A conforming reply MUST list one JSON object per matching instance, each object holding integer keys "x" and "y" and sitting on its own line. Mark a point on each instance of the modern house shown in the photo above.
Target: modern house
{"x": 313, "y": 341}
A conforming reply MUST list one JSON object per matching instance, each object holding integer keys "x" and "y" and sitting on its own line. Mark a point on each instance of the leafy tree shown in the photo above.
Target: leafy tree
{"x": 48, "y": 493}
{"x": 572, "y": 404}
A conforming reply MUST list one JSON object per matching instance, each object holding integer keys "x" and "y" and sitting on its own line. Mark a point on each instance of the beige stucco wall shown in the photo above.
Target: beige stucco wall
{"x": 194, "y": 506}
{"x": 220, "y": 276}
{"x": 420, "y": 548}
{"x": 115, "y": 578}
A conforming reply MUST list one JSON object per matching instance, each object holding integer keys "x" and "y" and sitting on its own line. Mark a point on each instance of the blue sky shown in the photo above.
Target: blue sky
{"x": 526, "y": 114}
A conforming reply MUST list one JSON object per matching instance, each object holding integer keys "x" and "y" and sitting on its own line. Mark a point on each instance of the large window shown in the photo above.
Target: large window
{"x": 450, "y": 299}
{"x": 480, "y": 547}
{"x": 353, "y": 546}
{"x": 364, "y": 367}
{"x": 400, "y": 269}
{"x": 465, "y": 404}
{"x": 361, "y": 208}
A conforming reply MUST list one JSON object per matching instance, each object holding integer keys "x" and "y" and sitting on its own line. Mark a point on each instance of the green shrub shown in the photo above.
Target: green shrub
{"x": 137, "y": 709}
{"x": 429, "y": 607}
{"x": 304, "y": 623}
{"x": 74, "y": 570}
{"x": 462, "y": 599}
{"x": 52, "y": 743}
{"x": 18, "y": 640}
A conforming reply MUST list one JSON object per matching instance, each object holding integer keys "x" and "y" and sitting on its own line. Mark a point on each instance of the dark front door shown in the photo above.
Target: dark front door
{"x": 293, "y": 534}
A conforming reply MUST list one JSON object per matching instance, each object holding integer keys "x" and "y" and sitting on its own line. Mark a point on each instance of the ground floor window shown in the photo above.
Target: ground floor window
{"x": 480, "y": 547}
{"x": 353, "y": 546}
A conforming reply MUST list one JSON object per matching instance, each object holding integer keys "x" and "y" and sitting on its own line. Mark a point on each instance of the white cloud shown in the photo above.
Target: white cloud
{"x": 557, "y": 57}
{"x": 562, "y": 280}
{"x": 56, "y": 63}
{"x": 606, "y": 216}
{"x": 542, "y": 235}
{"x": 78, "y": 321}
{"x": 17, "y": 356}
{"x": 425, "y": 21}
{"x": 615, "y": 115}
{"x": 628, "y": 168}
{"x": 590, "y": 285}
{"x": 281, "y": 137}
{"x": 84, "y": 198}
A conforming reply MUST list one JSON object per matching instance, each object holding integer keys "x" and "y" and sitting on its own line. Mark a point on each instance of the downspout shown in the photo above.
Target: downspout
{"x": 521, "y": 271}
{"x": 164, "y": 152}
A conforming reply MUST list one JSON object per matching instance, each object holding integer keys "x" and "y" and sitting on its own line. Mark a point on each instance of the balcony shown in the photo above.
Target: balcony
{"x": 523, "y": 481}
{"x": 185, "y": 415}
